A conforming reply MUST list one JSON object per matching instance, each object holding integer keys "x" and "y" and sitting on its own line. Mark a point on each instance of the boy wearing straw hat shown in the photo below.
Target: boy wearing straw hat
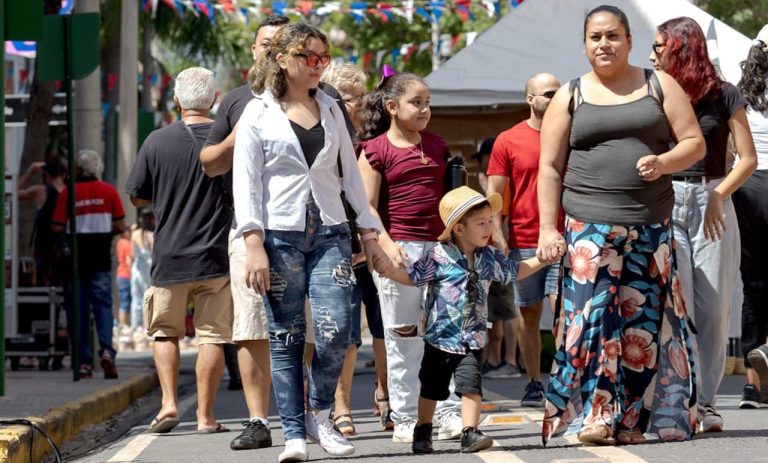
{"x": 458, "y": 272}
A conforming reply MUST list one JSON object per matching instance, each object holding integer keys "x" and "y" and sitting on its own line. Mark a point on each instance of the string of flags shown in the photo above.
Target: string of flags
{"x": 245, "y": 10}
{"x": 407, "y": 51}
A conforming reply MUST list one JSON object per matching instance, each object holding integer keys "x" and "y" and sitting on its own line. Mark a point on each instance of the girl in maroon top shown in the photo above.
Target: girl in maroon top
{"x": 403, "y": 166}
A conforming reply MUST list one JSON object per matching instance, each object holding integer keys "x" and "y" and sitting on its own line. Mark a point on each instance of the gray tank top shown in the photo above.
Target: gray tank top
{"x": 601, "y": 183}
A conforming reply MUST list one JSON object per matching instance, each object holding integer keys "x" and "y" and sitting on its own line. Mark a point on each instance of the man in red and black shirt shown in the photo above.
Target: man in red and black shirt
{"x": 99, "y": 216}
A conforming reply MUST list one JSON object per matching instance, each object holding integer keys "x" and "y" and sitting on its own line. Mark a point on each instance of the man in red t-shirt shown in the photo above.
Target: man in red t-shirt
{"x": 515, "y": 156}
{"x": 100, "y": 216}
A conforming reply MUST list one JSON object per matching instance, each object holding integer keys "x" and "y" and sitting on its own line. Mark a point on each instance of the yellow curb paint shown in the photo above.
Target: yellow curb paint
{"x": 498, "y": 420}
{"x": 65, "y": 421}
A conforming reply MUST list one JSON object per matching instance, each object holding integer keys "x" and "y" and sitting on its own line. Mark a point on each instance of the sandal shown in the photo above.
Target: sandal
{"x": 630, "y": 437}
{"x": 596, "y": 434}
{"x": 384, "y": 412}
{"x": 343, "y": 423}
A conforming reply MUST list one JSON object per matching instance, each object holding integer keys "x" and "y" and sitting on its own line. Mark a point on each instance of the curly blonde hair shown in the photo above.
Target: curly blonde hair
{"x": 346, "y": 78}
{"x": 266, "y": 74}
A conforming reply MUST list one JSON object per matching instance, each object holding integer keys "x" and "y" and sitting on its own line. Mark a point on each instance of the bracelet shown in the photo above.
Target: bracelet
{"x": 369, "y": 236}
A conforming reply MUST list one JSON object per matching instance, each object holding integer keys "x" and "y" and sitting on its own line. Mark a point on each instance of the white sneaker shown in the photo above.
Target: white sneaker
{"x": 712, "y": 421}
{"x": 449, "y": 426}
{"x": 404, "y": 432}
{"x": 321, "y": 431}
{"x": 295, "y": 450}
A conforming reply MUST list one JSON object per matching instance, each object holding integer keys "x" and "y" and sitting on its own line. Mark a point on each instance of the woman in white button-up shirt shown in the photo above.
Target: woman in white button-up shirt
{"x": 288, "y": 208}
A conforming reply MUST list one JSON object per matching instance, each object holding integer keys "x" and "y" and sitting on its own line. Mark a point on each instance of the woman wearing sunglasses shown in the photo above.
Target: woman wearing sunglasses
{"x": 626, "y": 353}
{"x": 290, "y": 141}
{"x": 704, "y": 219}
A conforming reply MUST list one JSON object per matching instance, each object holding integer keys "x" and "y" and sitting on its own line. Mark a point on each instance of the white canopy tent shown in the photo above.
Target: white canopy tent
{"x": 547, "y": 36}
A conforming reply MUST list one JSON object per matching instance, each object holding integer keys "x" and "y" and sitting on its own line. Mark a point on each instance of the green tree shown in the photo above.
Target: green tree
{"x": 746, "y": 17}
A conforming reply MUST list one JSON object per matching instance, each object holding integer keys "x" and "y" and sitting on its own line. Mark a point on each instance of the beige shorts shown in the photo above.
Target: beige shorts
{"x": 250, "y": 314}
{"x": 165, "y": 310}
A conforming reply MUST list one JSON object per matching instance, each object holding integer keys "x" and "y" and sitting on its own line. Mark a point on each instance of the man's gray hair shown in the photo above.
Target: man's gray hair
{"x": 90, "y": 162}
{"x": 194, "y": 88}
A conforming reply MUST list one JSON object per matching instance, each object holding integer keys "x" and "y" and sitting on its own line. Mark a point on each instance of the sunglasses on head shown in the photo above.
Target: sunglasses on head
{"x": 548, "y": 94}
{"x": 312, "y": 59}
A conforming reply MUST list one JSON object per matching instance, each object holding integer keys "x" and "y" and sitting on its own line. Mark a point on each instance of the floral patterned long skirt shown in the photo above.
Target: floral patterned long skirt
{"x": 626, "y": 359}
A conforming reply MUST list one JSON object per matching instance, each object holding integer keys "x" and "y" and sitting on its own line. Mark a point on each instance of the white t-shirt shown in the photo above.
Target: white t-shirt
{"x": 758, "y": 124}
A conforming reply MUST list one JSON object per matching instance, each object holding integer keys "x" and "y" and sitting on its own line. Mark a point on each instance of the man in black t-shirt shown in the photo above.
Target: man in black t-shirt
{"x": 250, "y": 330}
{"x": 189, "y": 259}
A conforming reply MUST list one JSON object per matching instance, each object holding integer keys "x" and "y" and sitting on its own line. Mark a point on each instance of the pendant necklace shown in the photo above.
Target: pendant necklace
{"x": 424, "y": 160}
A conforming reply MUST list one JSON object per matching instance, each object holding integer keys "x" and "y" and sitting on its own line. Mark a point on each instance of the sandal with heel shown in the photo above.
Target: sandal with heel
{"x": 596, "y": 434}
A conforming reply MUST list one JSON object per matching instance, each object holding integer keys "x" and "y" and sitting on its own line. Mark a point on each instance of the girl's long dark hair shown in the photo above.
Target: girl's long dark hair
{"x": 376, "y": 119}
{"x": 754, "y": 77}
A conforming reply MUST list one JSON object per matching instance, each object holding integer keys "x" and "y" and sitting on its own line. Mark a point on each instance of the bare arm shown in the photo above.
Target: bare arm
{"x": 555, "y": 132}
{"x": 714, "y": 216}
{"x": 529, "y": 266}
{"x": 217, "y": 159}
{"x": 138, "y": 202}
{"x": 690, "y": 145}
{"x": 34, "y": 192}
{"x": 497, "y": 184}
{"x": 118, "y": 226}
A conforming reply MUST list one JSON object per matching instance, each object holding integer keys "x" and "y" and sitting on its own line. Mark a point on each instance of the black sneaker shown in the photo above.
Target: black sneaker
{"x": 534, "y": 395}
{"x": 750, "y": 397}
{"x": 758, "y": 359}
{"x": 256, "y": 435}
{"x": 473, "y": 440}
{"x": 422, "y": 439}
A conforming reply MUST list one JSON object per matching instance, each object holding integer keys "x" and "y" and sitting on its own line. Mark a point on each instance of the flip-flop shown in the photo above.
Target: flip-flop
{"x": 163, "y": 425}
{"x": 219, "y": 428}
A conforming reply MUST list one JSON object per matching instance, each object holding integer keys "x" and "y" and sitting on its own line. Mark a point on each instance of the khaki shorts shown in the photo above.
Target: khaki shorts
{"x": 165, "y": 310}
{"x": 250, "y": 322}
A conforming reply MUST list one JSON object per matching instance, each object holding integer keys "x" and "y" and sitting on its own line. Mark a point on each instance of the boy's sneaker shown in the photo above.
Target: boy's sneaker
{"x": 712, "y": 421}
{"x": 256, "y": 435}
{"x": 422, "y": 438}
{"x": 758, "y": 359}
{"x": 502, "y": 371}
{"x": 750, "y": 397}
{"x": 108, "y": 365}
{"x": 449, "y": 426}
{"x": 534, "y": 395}
{"x": 473, "y": 440}
{"x": 403, "y": 432}
{"x": 86, "y": 371}
{"x": 321, "y": 431}
{"x": 295, "y": 450}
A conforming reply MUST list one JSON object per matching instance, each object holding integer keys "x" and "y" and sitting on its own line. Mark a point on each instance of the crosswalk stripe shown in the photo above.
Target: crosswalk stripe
{"x": 612, "y": 454}
{"x": 498, "y": 456}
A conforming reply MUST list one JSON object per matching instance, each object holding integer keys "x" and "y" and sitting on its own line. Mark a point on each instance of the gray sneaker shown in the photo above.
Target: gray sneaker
{"x": 504, "y": 370}
{"x": 758, "y": 359}
{"x": 534, "y": 395}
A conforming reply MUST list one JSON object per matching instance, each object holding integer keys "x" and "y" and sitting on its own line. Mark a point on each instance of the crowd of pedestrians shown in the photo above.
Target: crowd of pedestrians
{"x": 306, "y": 199}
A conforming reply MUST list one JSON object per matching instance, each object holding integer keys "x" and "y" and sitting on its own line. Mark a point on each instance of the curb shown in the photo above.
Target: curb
{"x": 65, "y": 421}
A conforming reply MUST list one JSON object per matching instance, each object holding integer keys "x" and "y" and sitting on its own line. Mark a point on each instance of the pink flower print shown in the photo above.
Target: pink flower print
{"x": 575, "y": 225}
{"x": 662, "y": 261}
{"x": 679, "y": 359}
{"x": 638, "y": 350}
{"x": 616, "y": 231}
{"x": 678, "y": 297}
{"x": 573, "y": 335}
{"x": 631, "y": 416}
{"x": 611, "y": 259}
{"x": 631, "y": 301}
{"x": 583, "y": 261}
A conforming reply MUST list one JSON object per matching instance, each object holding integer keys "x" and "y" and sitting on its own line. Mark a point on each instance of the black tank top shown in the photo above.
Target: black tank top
{"x": 601, "y": 183}
{"x": 42, "y": 236}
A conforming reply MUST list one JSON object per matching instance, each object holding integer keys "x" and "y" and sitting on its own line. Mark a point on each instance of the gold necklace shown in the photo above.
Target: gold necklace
{"x": 424, "y": 160}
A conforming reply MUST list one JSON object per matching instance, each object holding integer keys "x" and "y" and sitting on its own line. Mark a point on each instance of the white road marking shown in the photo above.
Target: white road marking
{"x": 612, "y": 454}
{"x": 140, "y": 442}
{"x": 498, "y": 456}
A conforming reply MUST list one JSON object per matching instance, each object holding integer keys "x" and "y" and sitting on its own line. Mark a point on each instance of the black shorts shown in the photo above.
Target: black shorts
{"x": 501, "y": 303}
{"x": 438, "y": 366}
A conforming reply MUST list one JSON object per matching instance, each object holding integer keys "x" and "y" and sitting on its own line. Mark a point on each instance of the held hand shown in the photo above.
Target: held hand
{"x": 714, "y": 218}
{"x": 257, "y": 270}
{"x": 396, "y": 254}
{"x": 650, "y": 167}
{"x": 377, "y": 258}
{"x": 551, "y": 246}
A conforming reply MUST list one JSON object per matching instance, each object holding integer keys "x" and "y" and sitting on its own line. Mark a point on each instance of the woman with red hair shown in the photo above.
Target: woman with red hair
{"x": 704, "y": 220}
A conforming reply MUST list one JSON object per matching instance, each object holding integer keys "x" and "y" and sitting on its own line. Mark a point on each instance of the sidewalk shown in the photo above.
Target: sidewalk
{"x": 62, "y": 407}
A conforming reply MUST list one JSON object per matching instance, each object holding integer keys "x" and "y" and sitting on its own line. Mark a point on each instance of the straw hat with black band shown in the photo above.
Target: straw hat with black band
{"x": 458, "y": 202}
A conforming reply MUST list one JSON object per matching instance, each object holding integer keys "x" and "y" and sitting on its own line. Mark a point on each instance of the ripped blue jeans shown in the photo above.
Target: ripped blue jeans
{"x": 314, "y": 263}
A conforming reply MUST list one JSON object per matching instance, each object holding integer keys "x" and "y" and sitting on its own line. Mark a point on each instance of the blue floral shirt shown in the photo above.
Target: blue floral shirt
{"x": 457, "y": 312}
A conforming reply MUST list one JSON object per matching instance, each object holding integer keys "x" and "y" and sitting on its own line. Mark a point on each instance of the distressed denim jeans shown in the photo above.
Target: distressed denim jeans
{"x": 708, "y": 272}
{"x": 96, "y": 294}
{"x": 402, "y": 314}
{"x": 314, "y": 263}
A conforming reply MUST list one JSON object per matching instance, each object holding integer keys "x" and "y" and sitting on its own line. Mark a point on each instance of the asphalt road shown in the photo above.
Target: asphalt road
{"x": 516, "y": 431}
